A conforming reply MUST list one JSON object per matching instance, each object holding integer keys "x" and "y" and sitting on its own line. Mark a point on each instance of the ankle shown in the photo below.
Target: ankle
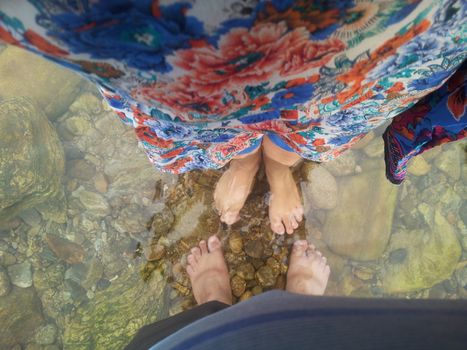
{"x": 220, "y": 296}
{"x": 277, "y": 173}
{"x": 248, "y": 163}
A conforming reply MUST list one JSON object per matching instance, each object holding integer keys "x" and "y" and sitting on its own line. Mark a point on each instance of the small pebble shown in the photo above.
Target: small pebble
{"x": 254, "y": 249}
{"x": 236, "y": 243}
{"x": 245, "y": 296}
{"x": 238, "y": 285}
{"x": 246, "y": 271}
{"x": 265, "y": 276}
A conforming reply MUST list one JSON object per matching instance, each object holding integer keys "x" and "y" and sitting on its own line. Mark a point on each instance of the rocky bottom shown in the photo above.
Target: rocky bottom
{"x": 93, "y": 240}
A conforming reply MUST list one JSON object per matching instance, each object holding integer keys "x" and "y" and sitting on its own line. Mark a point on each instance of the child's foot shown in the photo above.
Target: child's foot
{"x": 285, "y": 205}
{"x": 208, "y": 272}
{"x": 234, "y": 186}
{"x": 308, "y": 272}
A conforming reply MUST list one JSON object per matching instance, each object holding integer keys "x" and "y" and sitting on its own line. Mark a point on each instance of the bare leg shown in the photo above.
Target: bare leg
{"x": 285, "y": 207}
{"x": 234, "y": 186}
{"x": 308, "y": 272}
{"x": 208, "y": 272}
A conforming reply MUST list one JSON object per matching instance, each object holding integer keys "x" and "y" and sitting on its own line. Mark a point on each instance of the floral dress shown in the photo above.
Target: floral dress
{"x": 203, "y": 80}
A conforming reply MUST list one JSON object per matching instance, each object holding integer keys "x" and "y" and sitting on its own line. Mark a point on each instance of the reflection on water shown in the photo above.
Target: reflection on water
{"x": 93, "y": 240}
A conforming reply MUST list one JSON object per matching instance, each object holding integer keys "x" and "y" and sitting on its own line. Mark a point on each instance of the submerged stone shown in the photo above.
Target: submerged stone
{"x": 5, "y": 286}
{"x": 115, "y": 314}
{"x": 236, "y": 242}
{"x": 238, "y": 285}
{"x": 343, "y": 165}
{"x": 52, "y": 87}
{"x": 360, "y": 225}
{"x": 154, "y": 252}
{"x": 320, "y": 190}
{"x": 93, "y": 202}
{"x": 46, "y": 335}
{"x": 246, "y": 271}
{"x": 131, "y": 219}
{"x": 21, "y": 274}
{"x": 432, "y": 256}
{"x": 418, "y": 166}
{"x": 254, "y": 248}
{"x": 65, "y": 249}
{"x": 375, "y": 148}
{"x": 265, "y": 276}
{"x": 449, "y": 161}
{"x": 31, "y": 217}
{"x": 20, "y": 316}
{"x": 80, "y": 169}
{"x": 31, "y": 158}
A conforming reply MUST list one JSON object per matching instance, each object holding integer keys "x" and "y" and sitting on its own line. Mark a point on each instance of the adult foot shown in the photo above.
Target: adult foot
{"x": 208, "y": 272}
{"x": 308, "y": 272}
{"x": 234, "y": 186}
{"x": 285, "y": 205}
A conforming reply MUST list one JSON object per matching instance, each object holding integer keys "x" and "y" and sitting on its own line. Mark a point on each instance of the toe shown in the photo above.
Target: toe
{"x": 314, "y": 256}
{"x": 294, "y": 222}
{"x": 327, "y": 270}
{"x": 298, "y": 218}
{"x": 277, "y": 227}
{"x": 214, "y": 243}
{"x": 298, "y": 213}
{"x": 196, "y": 252}
{"x": 191, "y": 260}
{"x": 190, "y": 270}
{"x": 203, "y": 246}
{"x": 288, "y": 225}
{"x": 299, "y": 248}
{"x": 324, "y": 260}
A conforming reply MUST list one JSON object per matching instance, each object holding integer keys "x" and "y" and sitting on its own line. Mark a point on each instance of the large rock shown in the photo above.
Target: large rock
{"x": 343, "y": 165}
{"x": 114, "y": 315}
{"x": 31, "y": 157}
{"x": 321, "y": 189}
{"x": 20, "y": 316}
{"x": 53, "y": 88}
{"x": 360, "y": 225}
{"x": 449, "y": 161}
{"x": 430, "y": 257}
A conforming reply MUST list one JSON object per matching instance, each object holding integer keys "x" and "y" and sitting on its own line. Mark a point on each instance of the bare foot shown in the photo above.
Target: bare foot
{"x": 285, "y": 205}
{"x": 208, "y": 272}
{"x": 234, "y": 186}
{"x": 308, "y": 272}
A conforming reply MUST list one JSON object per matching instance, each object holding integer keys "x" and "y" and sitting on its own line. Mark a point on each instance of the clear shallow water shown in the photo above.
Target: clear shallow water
{"x": 74, "y": 254}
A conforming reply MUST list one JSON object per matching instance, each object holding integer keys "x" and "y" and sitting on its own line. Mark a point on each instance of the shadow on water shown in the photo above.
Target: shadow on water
{"x": 93, "y": 241}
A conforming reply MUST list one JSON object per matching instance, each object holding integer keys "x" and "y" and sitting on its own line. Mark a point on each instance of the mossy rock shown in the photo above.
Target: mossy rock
{"x": 360, "y": 225}
{"x": 52, "y": 87}
{"x": 31, "y": 157}
{"x": 114, "y": 315}
{"x": 20, "y": 316}
{"x": 430, "y": 257}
